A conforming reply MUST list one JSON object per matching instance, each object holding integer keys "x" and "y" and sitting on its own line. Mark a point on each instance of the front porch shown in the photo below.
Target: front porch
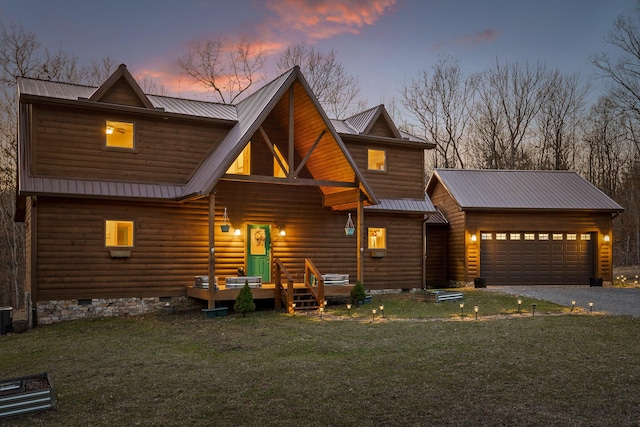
{"x": 306, "y": 295}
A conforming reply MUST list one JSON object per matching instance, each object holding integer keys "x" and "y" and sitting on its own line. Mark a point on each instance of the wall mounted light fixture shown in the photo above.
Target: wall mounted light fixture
{"x": 607, "y": 238}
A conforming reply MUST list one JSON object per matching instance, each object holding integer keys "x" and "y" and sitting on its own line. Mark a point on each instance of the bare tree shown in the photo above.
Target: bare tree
{"x": 440, "y": 101}
{"x": 509, "y": 98}
{"x": 224, "y": 69}
{"x": 336, "y": 90}
{"x": 558, "y": 122}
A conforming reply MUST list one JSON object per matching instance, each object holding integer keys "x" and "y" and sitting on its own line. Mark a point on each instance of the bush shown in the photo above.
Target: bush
{"x": 244, "y": 302}
{"x": 357, "y": 293}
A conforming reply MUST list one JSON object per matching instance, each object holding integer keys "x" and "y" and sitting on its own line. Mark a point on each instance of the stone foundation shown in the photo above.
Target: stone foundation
{"x": 55, "y": 311}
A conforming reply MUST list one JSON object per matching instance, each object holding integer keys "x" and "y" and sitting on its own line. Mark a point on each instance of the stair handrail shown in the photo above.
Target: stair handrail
{"x": 286, "y": 297}
{"x": 309, "y": 267}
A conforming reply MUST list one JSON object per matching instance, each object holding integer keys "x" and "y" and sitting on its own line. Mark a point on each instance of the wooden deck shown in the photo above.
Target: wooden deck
{"x": 266, "y": 291}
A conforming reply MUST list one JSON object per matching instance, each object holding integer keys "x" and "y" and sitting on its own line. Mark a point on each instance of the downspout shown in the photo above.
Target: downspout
{"x": 424, "y": 252}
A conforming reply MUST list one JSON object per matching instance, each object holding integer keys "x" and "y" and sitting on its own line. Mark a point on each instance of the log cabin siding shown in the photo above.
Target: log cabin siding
{"x": 170, "y": 247}
{"x": 401, "y": 266}
{"x": 457, "y": 254}
{"x": 70, "y": 143}
{"x": 312, "y": 231}
{"x": 404, "y": 177}
{"x": 437, "y": 247}
{"x": 381, "y": 128}
{"x": 121, "y": 93}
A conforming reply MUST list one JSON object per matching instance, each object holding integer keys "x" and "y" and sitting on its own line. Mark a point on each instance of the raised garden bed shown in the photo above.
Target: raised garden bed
{"x": 27, "y": 394}
{"x": 210, "y": 313}
{"x": 439, "y": 296}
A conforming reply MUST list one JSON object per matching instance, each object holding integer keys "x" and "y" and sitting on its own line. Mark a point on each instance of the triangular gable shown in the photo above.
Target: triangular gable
{"x": 121, "y": 88}
{"x": 376, "y": 122}
{"x": 252, "y": 113}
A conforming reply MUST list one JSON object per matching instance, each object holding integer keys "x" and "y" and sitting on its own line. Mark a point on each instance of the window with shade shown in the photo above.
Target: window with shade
{"x": 119, "y": 134}
{"x": 376, "y": 160}
{"x": 377, "y": 238}
{"x": 118, "y": 234}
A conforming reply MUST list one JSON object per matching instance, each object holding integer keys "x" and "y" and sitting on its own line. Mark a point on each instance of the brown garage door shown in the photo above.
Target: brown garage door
{"x": 516, "y": 258}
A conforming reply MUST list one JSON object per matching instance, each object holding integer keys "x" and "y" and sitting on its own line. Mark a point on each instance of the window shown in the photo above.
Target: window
{"x": 585, "y": 236}
{"x": 277, "y": 170}
{"x": 543, "y": 236}
{"x": 486, "y": 236}
{"x": 529, "y": 236}
{"x": 501, "y": 236}
{"x": 119, "y": 134}
{"x": 242, "y": 164}
{"x": 376, "y": 160}
{"x": 571, "y": 236}
{"x": 514, "y": 236}
{"x": 557, "y": 236}
{"x": 119, "y": 233}
{"x": 377, "y": 238}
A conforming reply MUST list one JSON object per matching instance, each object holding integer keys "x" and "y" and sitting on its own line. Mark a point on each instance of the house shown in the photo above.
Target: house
{"x": 127, "y": 197}
{"x": 524, "y": 227}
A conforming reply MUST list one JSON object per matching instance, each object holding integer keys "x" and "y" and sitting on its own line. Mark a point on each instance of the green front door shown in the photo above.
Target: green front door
{"x": 259, "y": 251}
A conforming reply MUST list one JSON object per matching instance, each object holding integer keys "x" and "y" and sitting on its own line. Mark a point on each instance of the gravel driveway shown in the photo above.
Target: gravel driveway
{"x": 624, "y": 301}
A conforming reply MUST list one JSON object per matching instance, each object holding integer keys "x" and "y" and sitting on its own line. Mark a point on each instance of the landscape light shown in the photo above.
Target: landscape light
{"x": 573, "y": 304}
{"x": 533, "y": 309}
{"x": 381, "y": 310}
{"x": 349, "y": 309}
{"x": 461, "y": 309}
{"x": 590, "y": 307}
{"x": 476, "y": 308}
{"x": 373, "y": 315}
{"x": 519, "y": 304}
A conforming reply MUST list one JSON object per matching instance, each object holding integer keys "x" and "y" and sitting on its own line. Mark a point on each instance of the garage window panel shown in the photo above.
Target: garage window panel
{"x": 514, "y": 236}
{"x": 486, "y": 236}
{"x": 585, "y": 236}
{"x": 543, "y": 236}
{"x": 558, "y": 236}
{"x": 501, "y": 236}
{"x": 529, "y": 236}
{"x": 571, "y": 236}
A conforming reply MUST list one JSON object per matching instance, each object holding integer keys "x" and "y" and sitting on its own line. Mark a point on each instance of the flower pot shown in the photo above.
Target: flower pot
{"x": 225, "y": 228}
{"x": 349, "y": 231}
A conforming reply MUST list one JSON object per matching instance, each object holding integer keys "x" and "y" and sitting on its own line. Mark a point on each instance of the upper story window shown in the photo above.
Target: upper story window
{"x": 376, "y": 160}
{"x": 242, "y": 164}
{"x": 377, "y": 238}
{"x": 118, "y": 233}
{"x": 119, "y": 134}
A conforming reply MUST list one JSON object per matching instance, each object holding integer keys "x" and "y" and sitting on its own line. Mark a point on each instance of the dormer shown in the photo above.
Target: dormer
{"x": 122, "y": 89}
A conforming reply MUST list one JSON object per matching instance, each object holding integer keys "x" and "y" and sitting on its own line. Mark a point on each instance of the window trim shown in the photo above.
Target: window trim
{"x": 133, "y": 147}
{"x": 384, "y": 170}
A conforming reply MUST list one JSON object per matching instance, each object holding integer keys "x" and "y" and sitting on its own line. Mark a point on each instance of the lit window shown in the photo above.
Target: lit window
{"x": 543, "y": 236}
{"x": 377, "y": 238}
{"x": 376, "y": 160}
{"x": 118, "y": 233}
{"x": 242, "y": 164}
{"x": 514, "y": 236}
{"x": 486, "y": 236}
{"x": 277, "y": 170}
{"x": 501, "y": 236}
{"x": 119, "y": 134}
{"x": 529, "y": 236}
{"x": 557, "y": 236}
{"x": 571, "y": 236}
{"x": 585, "y": 236}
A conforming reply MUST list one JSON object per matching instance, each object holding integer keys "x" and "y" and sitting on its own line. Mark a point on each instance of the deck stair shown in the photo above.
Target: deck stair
{"x": 304, "y": 300}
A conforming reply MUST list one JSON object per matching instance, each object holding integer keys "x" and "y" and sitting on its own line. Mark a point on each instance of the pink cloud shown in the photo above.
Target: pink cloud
{"x": 470, "y": 40}
{"x": 322, "y": 19}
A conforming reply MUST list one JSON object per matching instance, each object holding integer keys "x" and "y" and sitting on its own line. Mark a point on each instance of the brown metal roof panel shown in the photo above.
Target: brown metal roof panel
{"x": 403, "y": 205}
{"x": 437, "y": 218}
{"x": 513, "y": 189}
{"x": 360, "y": 121}
{"x": 53, "y": 89}
{"x": 195, "y": 108}
{"x": 342, "y": 127}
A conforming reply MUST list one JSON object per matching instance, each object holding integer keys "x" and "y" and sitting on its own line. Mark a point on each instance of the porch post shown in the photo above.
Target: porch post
{"x": 360, "y": 233}
{"x": 212, "y": 258}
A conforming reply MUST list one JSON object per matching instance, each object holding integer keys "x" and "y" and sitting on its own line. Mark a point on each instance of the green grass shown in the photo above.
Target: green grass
{"x": 420, "y": 365}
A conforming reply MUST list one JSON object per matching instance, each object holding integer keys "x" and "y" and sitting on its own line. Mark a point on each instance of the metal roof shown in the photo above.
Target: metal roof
{"x": 403, "y": 205}
{"x": 188, "y": 107}
{"x": 517, "y": 189}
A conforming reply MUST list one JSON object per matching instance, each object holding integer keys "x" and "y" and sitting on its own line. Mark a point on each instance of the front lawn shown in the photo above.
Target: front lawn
{"x": 420, "y": 365}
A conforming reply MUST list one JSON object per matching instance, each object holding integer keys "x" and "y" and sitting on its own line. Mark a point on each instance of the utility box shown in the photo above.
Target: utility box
{"x": 6, "y": 320}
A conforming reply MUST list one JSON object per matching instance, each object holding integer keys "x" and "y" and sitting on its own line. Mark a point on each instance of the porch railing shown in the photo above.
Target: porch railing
{"x": 313, "y": 282}
{"x": 283, "y": 295}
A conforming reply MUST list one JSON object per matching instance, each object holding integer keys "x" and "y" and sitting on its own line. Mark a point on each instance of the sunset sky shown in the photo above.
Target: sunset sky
{"x": 382, "y": 42}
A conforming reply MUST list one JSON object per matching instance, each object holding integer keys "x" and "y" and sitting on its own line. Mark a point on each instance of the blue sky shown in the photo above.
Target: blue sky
{"x": 382, "y": 42}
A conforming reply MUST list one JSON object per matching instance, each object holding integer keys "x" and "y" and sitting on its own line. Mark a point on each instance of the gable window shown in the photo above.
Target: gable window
{"x": 277, "y": 170}
{"x": 376, "y": 160}
{"x": 242, "y": 164}
{"x": 118, "y": 233}
{"x": 377, "y": 238}
{"x": 119, "y": 134}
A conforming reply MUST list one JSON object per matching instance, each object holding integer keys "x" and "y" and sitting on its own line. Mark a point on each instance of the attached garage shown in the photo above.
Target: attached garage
{"x": 524, "y": 227}
{"x": 536, "y": 258}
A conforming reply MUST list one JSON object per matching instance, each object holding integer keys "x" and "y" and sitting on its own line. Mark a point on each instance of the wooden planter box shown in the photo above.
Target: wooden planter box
{"x": 210, "y": 313}
{"x": 24, "y": 395}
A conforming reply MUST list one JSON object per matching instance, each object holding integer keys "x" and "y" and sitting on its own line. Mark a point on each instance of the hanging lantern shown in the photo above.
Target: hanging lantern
{"x": 225, "y": 222}
{"x": 348, "y": 227}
